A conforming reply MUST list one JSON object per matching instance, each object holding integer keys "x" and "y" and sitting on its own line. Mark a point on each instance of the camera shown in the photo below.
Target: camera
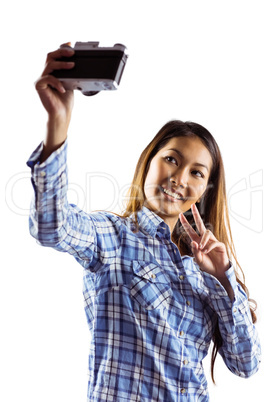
{"x": 96, "y": 68}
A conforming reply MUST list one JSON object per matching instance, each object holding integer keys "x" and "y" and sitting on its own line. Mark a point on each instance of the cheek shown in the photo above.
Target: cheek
{"x": 147, "y": 182}
{"x": 196, "y": 191}
{"x": 202, "y": 188}
{"x": 149, "y": 185}
{"x": 154, "y": 174}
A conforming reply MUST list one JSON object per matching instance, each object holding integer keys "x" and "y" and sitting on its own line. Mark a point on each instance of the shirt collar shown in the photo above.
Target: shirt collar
{"x": 152, "y": 223}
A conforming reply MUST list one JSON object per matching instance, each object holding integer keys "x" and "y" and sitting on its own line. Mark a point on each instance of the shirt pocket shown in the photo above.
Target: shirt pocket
{"x": 150, "y": 286}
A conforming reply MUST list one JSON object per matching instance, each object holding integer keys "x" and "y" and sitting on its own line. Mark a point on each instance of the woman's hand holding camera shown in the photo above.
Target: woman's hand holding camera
{"x": 57, "y": 101}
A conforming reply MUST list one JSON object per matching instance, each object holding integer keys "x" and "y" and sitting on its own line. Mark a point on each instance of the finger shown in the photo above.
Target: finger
{"x": 198, "y": 220}
{"x": 49, "y": 81}
{"x": 58, "y": 65}
{"x": 205, "y": 238}
{"x": 66, "y": 44}
{"x": 188, "y": 229}
{"x": 197, "y": 253}
{"x": 215, "y": 244}
{"x": 63, "y": 51}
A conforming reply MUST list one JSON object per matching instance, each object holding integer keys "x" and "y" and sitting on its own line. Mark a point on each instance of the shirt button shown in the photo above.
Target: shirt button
{"x": 181, "y": 333}
{"x": 183, "y": 390}
{"x": 217, "y": 285}
{"x": 188, "y": 303}
{"x": 181, "y": 277}
{"x": 42, "y": 174}
{"x": 153, "y": 276}
{"x": 185, "y": 362}
{"x": 234, "y": 310}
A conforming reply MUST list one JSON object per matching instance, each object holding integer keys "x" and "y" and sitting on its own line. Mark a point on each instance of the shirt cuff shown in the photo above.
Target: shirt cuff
{"x": 215, "y": 288}
{"x": 220, "y": 301}
{"x": 51, "y": 168}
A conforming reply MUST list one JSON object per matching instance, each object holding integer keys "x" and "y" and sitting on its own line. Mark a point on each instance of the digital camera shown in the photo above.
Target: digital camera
{"x": 96, "y": 68}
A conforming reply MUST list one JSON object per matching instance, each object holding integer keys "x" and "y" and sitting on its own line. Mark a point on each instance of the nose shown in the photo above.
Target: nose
{"x": 179, "y": 179}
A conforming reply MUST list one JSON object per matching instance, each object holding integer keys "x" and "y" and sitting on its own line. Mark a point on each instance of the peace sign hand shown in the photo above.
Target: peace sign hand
{"x": 209, "y": 253}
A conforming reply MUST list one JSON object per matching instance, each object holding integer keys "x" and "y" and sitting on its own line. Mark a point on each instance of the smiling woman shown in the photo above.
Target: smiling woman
{"x": 183, "y": 158}
{"x": 181, "y": 171}
{"x": 158, "y": 287}
{"x": 177, "y": 177}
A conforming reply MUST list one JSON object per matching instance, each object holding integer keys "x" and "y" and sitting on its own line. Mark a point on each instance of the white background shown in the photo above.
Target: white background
{"x": 204, "y": 61}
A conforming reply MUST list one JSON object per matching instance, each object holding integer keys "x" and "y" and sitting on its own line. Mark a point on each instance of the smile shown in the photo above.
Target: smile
{"x": 172, "y": 194}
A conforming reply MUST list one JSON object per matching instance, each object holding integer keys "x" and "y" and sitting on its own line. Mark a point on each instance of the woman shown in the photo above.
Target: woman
{"x": 159, "y": 285}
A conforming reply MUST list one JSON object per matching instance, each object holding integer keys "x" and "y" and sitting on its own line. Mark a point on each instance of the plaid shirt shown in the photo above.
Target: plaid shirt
{"x": 151, "y": 312}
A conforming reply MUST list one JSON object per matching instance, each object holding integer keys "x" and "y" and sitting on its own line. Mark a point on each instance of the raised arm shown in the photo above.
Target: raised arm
{"x": 53, "y": 221}
{"x": 57, "y": 101}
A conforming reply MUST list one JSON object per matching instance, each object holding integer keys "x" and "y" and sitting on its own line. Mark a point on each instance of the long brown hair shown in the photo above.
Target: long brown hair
{"x": 213, "y": 206}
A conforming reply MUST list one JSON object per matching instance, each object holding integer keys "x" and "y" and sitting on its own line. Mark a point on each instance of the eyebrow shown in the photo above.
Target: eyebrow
{"x": 181, "y": 156}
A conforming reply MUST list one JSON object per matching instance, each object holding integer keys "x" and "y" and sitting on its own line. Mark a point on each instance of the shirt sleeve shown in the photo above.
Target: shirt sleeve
{"x": 53, "y": 222}
{"x": 241, "y": 348}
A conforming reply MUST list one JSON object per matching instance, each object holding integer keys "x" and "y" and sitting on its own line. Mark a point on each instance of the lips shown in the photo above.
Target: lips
{"x": 174, "y": 194}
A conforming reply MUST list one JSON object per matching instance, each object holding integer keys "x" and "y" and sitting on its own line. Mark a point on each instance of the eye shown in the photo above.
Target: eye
{"x": 198, "y": 173}
{"x": 171, "y": 159}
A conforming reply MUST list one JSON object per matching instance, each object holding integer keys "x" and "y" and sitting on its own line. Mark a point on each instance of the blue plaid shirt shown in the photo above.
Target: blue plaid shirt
{"x": 151, "y": 312}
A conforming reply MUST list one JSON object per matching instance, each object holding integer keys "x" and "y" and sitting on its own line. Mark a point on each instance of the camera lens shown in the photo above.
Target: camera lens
{"x": 90, "y": 93}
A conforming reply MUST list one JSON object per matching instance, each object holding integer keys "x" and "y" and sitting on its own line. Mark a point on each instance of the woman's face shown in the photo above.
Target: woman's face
{"x": 177, "y": 177}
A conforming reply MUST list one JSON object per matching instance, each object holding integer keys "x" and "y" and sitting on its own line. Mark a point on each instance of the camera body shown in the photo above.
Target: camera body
{"x": 96, "y": 68}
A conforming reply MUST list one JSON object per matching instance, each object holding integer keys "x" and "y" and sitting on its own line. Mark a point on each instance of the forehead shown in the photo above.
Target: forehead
{"x": 191, "y": 148}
